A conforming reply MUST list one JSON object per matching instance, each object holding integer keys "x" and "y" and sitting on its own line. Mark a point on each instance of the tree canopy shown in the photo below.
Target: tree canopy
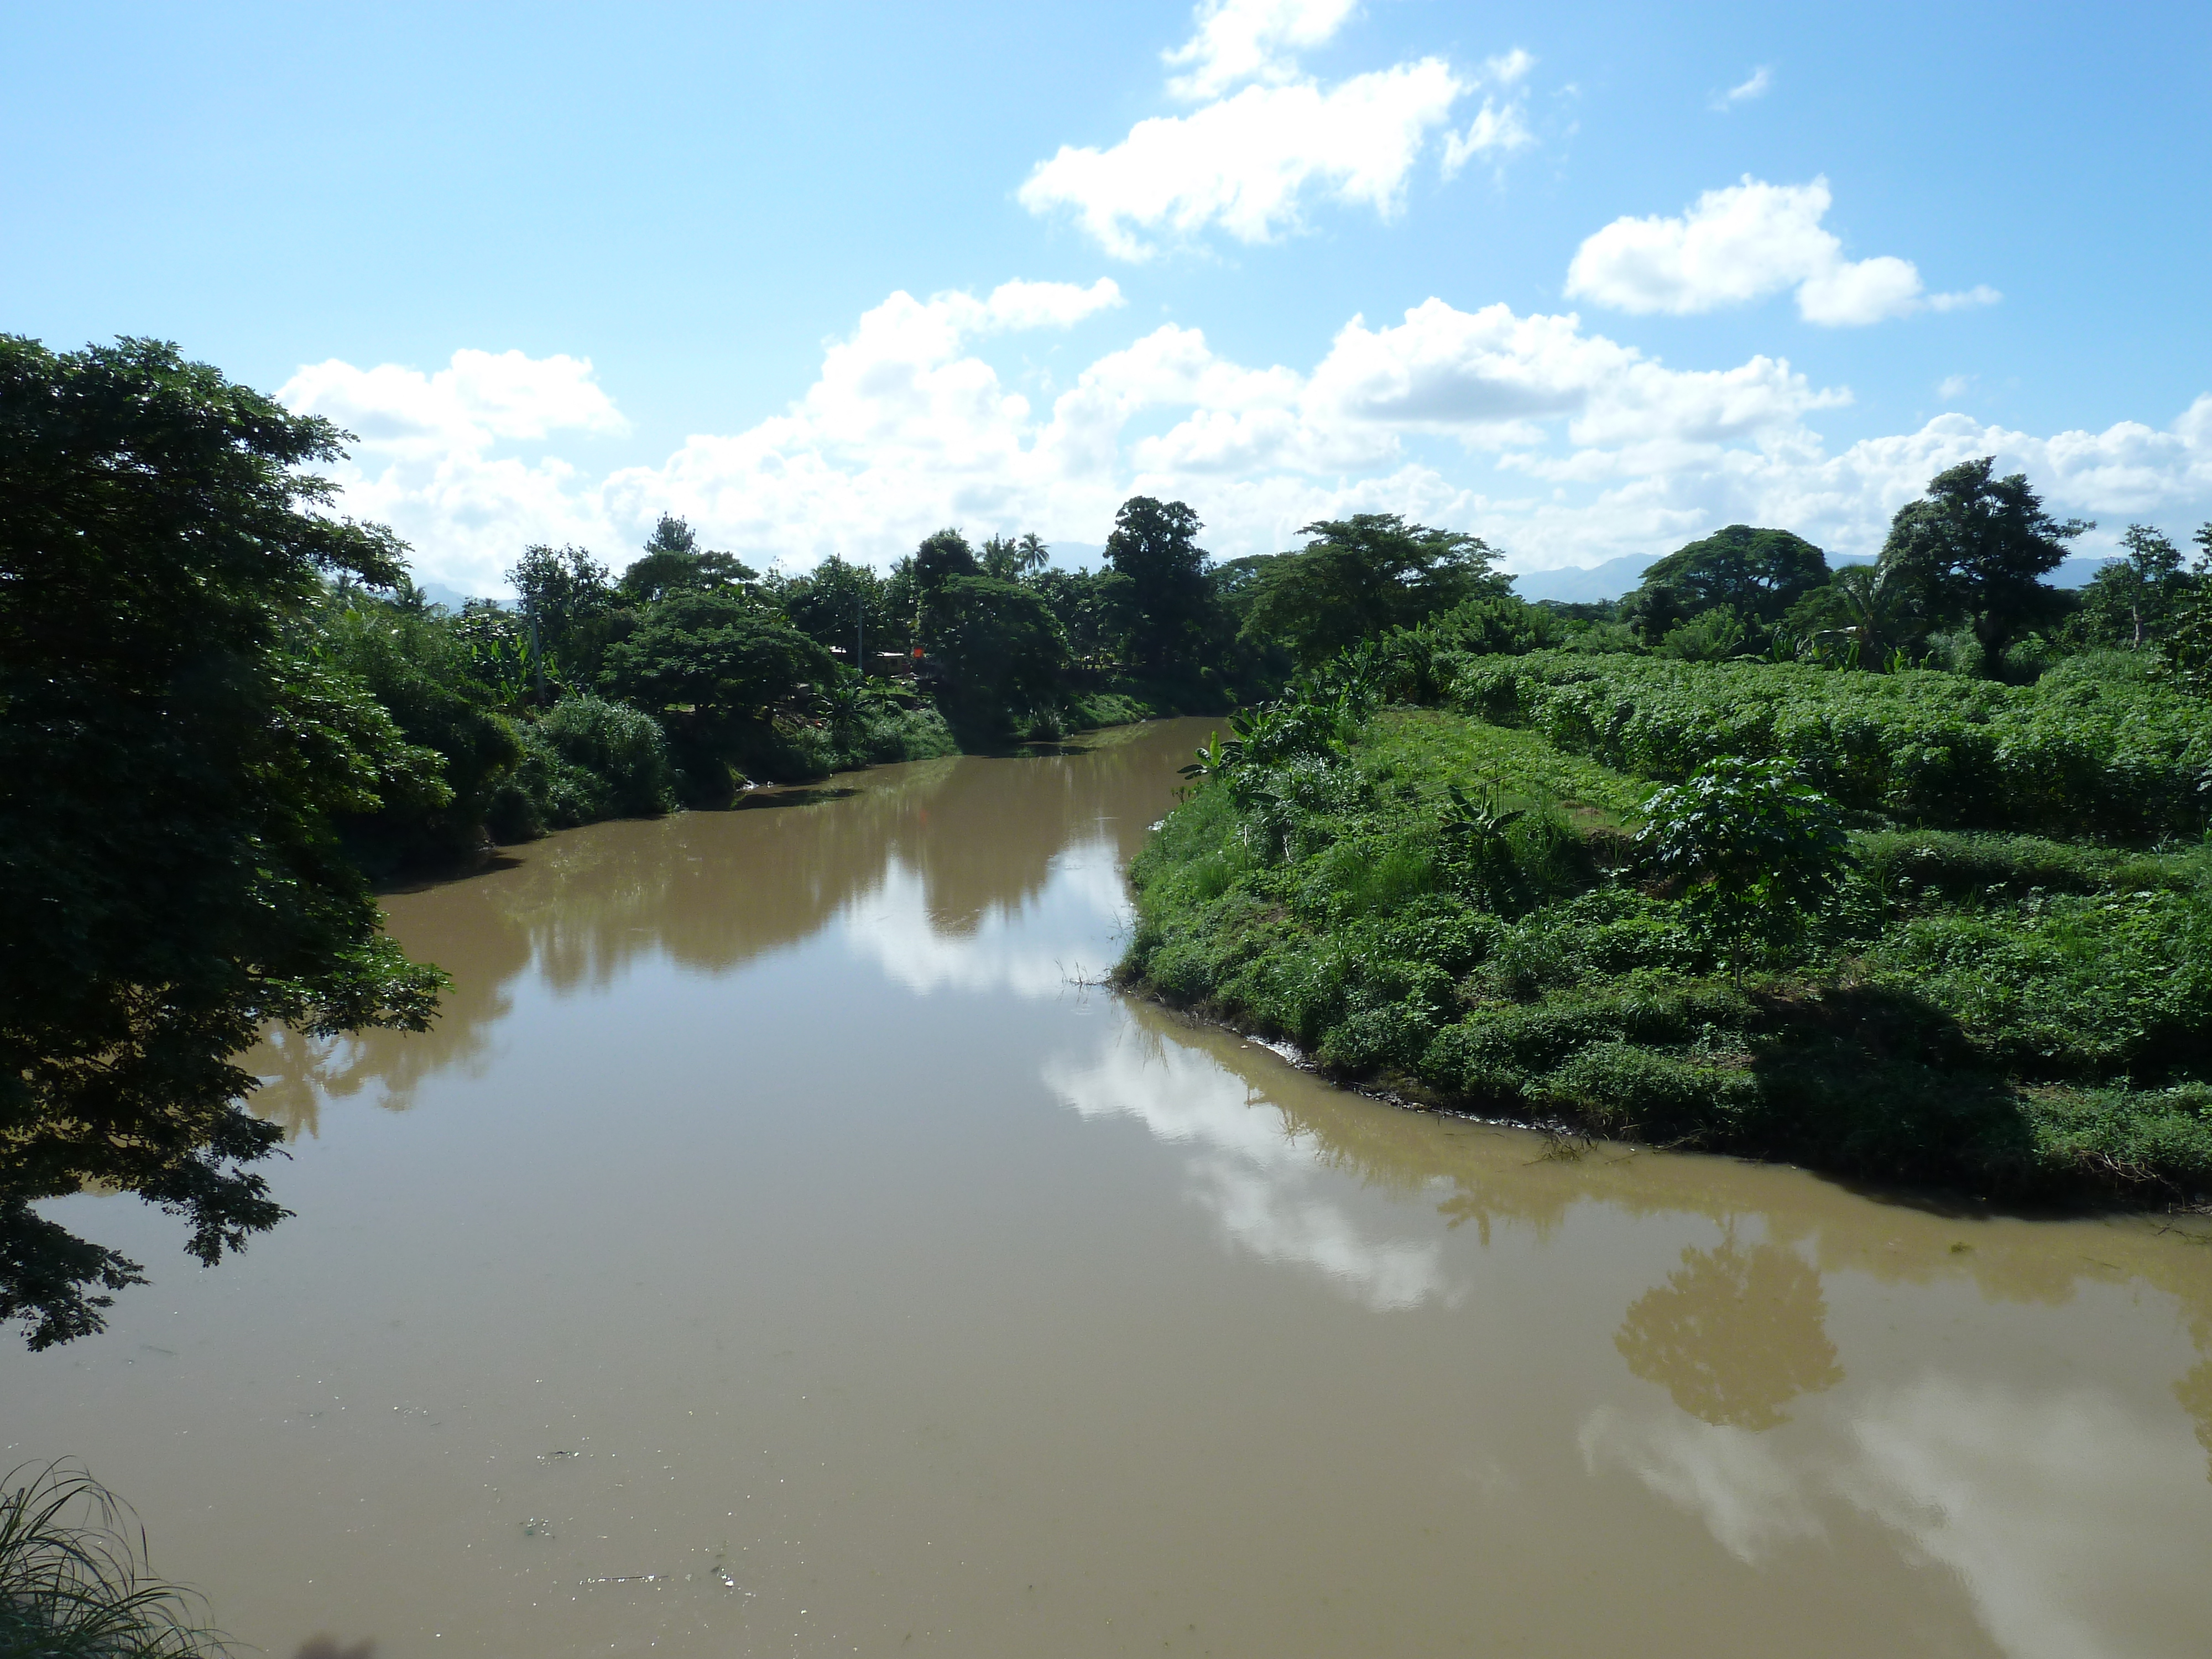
{"x": 173, "y": 752}
{"x": 1363, "y": 576}
{"x": 1755, "y": 573}
{"x": 1975, "y": 549}
{"x": 1154, "y": 545}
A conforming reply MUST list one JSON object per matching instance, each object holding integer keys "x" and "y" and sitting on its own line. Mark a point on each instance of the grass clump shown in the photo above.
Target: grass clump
{"x": 1471, "y": 914}
{"x": 74, "y": 1578}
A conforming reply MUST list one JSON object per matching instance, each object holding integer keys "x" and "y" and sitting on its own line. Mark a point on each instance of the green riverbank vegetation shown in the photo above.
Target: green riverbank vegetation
{"x": 75, "y": 1582}
{"x": 1909, "y": 883}
{"x": 1961, "y": 937}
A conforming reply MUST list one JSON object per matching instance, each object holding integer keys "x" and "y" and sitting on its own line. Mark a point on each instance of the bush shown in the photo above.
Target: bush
{"x": 587, "y": 759}
{"x": 2119, "y": 760}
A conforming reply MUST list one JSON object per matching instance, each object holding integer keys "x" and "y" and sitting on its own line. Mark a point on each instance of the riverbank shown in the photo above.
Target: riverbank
{"x": 2010, "y": 1015}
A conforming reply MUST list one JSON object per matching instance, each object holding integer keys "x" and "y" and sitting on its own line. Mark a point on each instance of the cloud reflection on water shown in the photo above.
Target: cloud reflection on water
{"x": 1263, "y": 1183}
{"x": 1035, "y": 946}
{"x": 2063, "y": 1515}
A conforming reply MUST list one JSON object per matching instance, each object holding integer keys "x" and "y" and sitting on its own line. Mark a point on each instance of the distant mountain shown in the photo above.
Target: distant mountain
{"x": 1581, "y": 584}
{"x": 438, "y": 593}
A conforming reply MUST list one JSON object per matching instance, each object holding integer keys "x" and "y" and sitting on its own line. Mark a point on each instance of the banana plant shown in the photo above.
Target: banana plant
{"x": 1478, "y": 818}
{"x": 1215, "y": 759}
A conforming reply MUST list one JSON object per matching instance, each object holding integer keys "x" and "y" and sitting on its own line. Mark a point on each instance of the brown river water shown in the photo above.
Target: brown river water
{"x": 780, "y": 1247}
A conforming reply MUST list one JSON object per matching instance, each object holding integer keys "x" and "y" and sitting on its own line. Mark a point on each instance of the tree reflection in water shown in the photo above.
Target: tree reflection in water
{"x": 713, "y": 891}
{"x": 1734, "y": 1334}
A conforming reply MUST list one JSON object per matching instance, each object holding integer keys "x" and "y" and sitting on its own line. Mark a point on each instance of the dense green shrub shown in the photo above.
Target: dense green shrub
{"x": 419, "y": 666}
{"x": 2013, "y": 1013}
{"x": 585, "y": 760}
{"x": 2119, "y": 759}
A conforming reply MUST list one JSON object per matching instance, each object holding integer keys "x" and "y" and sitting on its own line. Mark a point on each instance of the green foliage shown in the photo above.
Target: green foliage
{"x": 1168, "y": 598}
{"x": 1974, "y": 551}
{"x": 2117, "y": 760}
{"x": 996, "y": 641}
{"x": 1451, "y": 908}
{"x": 75, "y": 1582}
{"x": 714, "y": 653}
{"x": 1712, "y": 635}
{"x": 2134, "y": 600}
{"x": 422, "y": 667}
{"x": 674, "y": 562}
{"x": 1759, "y": 850}
{"x": 584, "y": 760}
{"x": 1745, "y": 575}
{"x": 174, "y": 755}
{"x": 1363, "y": 576}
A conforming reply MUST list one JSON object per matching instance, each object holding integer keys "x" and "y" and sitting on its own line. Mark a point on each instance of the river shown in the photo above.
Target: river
{"x": 783, "y": 1245}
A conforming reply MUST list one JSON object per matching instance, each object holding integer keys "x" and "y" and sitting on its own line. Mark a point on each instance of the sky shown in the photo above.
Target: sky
{"x": 1587, "y": 281}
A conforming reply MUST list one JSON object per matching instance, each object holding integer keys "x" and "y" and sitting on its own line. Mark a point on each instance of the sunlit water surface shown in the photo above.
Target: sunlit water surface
{"x": 781, "y": 1247}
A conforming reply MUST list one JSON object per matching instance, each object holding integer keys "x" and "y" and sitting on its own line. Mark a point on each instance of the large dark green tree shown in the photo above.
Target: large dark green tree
{"x": 674, "y": 562}
{"x": 1362, "y": 576}
{"x": 1974, "y": 551}
{"x": 997, "y": 642}
{"x": 172, "y": 753}
{"x": 718, "y": 654}
{"x": 1757, "y": 574}
{"x": 1170, "y": 598}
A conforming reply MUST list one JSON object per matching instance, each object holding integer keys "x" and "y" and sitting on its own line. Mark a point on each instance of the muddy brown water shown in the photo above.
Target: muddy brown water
{"x": 778, "y": 1247}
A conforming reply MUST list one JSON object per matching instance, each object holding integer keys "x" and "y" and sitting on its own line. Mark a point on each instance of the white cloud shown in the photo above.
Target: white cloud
{"x": 1498, "y": 128}
{"x": 1248, "y": 162}
{"x": 1561, "y": 445}
{"x": 1240, "y": 40}
{"x": 480, "y": 396}
{"x": 1753, "y": 86}
{"x": 1744, "y": 243}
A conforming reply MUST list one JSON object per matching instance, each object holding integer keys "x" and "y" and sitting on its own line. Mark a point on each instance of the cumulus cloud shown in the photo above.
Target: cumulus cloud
{"x": 1267, "y": 138}
{"x": 1240, "y": 40}
{"x": 1744, "y": 243}
{"x": 477, "y": 397}
{"x": 1247, "y": 162}
{"x": 1560, "y": 444}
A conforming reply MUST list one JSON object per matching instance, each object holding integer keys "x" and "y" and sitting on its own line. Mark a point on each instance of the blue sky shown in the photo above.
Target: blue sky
{"x": 1530, "y": 271}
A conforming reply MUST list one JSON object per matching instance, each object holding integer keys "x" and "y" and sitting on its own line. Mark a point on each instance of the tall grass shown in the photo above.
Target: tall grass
{"x": 75, "y": 1582}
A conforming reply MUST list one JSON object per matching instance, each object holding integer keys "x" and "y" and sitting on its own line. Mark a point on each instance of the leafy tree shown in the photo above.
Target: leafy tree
{"x": 1089, "y": 606}
{"x": 2187, "y": 647}
{"x": 715, "y": 654}
{"x": 2131, "y": 601}
{"x": 1154, "y": 545}
{"x": 835, "y": 603}
{"x": 1757, "y": 574}
{"x": 1759, "y": 848}
{"x": 1860, "y": 616}
{"x": 1712, "y": 635}
{"x": 675, "y": 562}
{"x": 1363, "y": 576}
{"x": 997, "y": 641}
{"x": 1974, "y": 551}
{"x": 562, "y": 590}
{"x": 421, "y": 668}
{"x": 939, "y": 559}
{"x": 173, "y": 754}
